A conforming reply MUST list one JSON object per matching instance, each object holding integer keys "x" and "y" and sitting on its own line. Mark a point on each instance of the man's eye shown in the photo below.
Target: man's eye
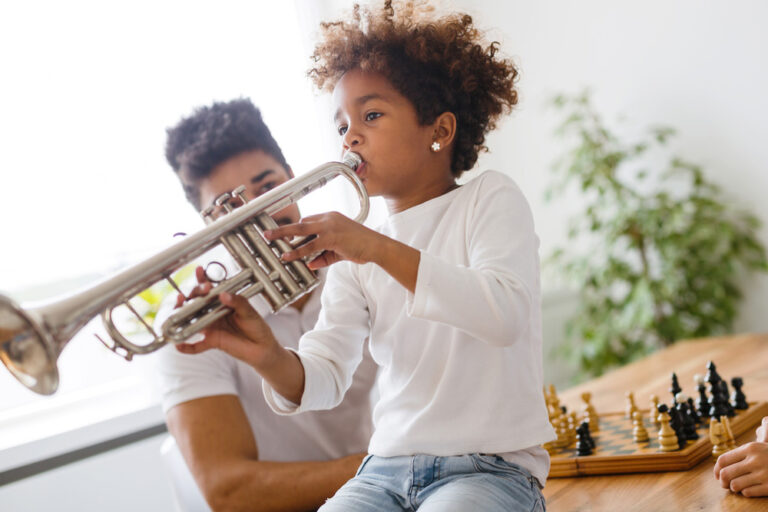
{"x": 342, "y": 130}
{"x": 370, "y": 116}
{"x": 267, "y": 186}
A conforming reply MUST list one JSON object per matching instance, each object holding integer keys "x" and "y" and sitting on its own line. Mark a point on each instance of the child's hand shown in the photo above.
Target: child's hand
{"x": 337, "y": 238}
{"x": 745, "y": 469}
{"x": 243, "y": 334}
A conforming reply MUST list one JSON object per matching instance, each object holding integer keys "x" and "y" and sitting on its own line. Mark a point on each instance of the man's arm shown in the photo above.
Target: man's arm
{"x": 217, "y": 443}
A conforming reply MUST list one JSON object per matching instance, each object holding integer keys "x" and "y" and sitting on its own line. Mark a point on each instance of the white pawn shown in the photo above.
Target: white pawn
{"x": 640, "y": 434}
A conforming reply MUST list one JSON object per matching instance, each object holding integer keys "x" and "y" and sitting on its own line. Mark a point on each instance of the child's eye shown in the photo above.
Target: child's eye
{"x": 370, "y": 116}
{"x": 342, "y": 130}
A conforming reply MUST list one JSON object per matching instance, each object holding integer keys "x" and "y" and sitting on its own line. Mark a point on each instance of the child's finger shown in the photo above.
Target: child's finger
{"x": 290, "y": 230}
{"x": 729, "y": 458}
{"x": 755, "y": 491}
{"x": 743, "y": 481}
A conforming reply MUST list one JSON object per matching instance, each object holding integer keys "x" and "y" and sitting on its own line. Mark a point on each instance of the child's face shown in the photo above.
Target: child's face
{"x": 380, "y": 124}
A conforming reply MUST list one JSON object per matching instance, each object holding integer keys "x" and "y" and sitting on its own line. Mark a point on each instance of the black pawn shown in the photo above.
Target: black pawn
{"x": 675, "y": 388}
{"x": 738, "y": 399}
{"x": 583, "y": 445}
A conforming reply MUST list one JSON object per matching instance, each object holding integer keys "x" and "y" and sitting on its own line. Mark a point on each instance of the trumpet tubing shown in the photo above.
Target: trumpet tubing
{"x": 32, "y": 338}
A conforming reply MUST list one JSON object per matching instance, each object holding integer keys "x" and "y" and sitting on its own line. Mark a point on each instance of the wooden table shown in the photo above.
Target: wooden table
{"x": 745, "y": 356}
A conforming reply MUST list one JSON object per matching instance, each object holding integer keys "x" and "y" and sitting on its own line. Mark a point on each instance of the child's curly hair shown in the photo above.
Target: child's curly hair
{"x": 439, "y": 65}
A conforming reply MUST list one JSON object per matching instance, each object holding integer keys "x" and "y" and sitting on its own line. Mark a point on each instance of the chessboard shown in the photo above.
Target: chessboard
{"x": 616, "y": 451}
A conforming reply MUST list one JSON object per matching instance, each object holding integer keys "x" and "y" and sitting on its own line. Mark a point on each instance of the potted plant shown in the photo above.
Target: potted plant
{"x": 656, "y": 255}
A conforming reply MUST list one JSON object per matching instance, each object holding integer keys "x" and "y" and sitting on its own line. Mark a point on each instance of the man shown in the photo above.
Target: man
{"x": 241, "y": 454}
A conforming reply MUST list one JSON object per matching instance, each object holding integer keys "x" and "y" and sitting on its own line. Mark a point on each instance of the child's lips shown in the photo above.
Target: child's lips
{"x": 361, "y": 170}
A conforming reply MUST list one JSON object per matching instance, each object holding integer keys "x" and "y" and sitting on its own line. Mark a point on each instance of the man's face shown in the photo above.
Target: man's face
{"x": 256, "y": 170}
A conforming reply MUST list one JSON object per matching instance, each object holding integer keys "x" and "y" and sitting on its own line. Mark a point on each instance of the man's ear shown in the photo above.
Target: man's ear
{"x": 444, "y": 129}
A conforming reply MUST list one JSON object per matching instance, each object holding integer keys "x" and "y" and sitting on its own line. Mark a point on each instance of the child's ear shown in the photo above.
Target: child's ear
{"x": 444, "y": 129}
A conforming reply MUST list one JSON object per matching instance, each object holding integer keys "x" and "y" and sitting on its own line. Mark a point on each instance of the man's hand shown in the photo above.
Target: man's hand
{"x": 245, "y": 335}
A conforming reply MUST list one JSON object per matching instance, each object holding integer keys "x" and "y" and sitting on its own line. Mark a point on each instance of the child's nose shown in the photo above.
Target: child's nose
{"x": 352, "y": 139}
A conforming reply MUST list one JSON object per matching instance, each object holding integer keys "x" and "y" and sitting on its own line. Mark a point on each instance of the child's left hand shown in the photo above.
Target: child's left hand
{"x": 337, "y": 238}
{"x": 745, "y": 469}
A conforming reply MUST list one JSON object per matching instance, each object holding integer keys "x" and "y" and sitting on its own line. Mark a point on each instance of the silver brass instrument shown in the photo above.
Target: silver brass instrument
{"x": 31, "y": 339}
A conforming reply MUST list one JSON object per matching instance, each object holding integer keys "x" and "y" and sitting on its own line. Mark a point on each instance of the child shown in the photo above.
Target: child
{"x": 745, "y": 469}
{"x": 447, "y": 289}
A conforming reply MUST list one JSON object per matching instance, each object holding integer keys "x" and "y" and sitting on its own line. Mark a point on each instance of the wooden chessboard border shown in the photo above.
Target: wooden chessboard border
{"x": 679, "y": 460}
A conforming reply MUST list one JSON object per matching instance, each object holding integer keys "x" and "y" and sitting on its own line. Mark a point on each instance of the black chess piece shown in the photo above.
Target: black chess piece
{"x": 712, "y": 377}
{"x": 729, "y": 410}
{"x": 693, "y": 412}
{"x": 676, "y": 422}
{"x": 675, "y": 388}
{"x": 583, "y": 445}
{"x": 718, "y": 405}
{"x": 738, "y": 398}
{"x": 702, "y": 403}
{"x": 688, "y": 421}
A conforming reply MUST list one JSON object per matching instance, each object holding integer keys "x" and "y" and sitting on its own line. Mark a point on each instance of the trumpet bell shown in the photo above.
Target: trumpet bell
{"x": 26, "y": 350}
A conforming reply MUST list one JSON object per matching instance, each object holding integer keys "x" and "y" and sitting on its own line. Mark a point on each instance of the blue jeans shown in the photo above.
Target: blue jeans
{"x": 426, "y": 483}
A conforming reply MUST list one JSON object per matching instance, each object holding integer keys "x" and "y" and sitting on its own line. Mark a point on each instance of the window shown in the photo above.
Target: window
{"x": 88, "y": 90}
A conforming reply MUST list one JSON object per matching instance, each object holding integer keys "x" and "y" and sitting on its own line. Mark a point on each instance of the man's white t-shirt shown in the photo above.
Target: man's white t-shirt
{"x": 320, "y": 435}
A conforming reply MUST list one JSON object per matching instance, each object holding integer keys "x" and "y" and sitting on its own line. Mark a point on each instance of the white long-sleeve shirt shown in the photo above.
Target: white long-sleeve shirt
{"x": 461, "y": 358}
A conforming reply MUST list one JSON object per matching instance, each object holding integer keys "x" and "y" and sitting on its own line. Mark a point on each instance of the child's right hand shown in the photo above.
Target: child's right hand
{"x": 243, "y": 334}
{"x": 745, "y": 469}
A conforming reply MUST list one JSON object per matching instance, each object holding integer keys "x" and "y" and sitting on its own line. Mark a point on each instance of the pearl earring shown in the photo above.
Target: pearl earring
{"x": 435, "y": 146}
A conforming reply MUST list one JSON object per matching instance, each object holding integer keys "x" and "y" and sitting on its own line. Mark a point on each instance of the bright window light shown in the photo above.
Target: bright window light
{"x": 88, "y": 90}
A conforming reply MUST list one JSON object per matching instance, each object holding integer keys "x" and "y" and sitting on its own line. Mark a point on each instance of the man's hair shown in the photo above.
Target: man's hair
{"x": 213, "y": 135}
{"x": 439, "y": 65}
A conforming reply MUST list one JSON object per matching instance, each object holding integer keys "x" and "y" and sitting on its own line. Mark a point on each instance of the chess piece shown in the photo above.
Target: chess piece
{"x": 631, "y": 406}
{"x": 730, "y": 440}
{"x": 675, "y": 388}
{"x": 712, "y": 377}
{"x": 687, "y": 420}
{"x": 588, "y": 433}
{"x": 653, "y": 411}
{"x": 693, "y": 412}
{"x": 717, "y": 437}
{"x": 583, "y": 445}
{"x": 561, "y": 428}
{"x": 573, "y": 422}
{"x": 702, "y": 403}
{"x": 718, "y": 403}
{"x": 590, "y": 412}
{"x": 676, "y": 422}
{"x": 639, "y": 433}
{"x": 667, "y": 438}
{"x": 729, "y": 410}
{"x": 738, "y": 399}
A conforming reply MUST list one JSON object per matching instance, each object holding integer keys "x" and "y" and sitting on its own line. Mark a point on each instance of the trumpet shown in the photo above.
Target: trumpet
{"x": 32, "y": 338}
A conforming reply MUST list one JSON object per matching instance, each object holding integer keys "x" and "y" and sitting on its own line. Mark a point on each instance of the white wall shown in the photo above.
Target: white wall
{"x": 700, "y": 66}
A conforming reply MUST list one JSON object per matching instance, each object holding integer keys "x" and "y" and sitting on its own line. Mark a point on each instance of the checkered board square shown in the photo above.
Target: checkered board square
{"x": 617, "y": 452}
